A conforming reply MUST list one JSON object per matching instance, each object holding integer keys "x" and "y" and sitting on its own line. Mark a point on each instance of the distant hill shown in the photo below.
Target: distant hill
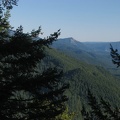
{"x": 96, "y": 53}
{"x": 75, "y": 49}
{"x": 102, "y": 46}
{"x": 69, "y": 43}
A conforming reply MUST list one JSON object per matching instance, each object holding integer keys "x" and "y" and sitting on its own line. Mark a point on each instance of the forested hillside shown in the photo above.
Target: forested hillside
{"x": 96, "y": 53}
{"x": 82, "y": 76}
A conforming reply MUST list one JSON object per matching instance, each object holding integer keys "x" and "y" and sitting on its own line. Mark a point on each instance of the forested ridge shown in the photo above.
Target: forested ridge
{"x": 95, "y": 53}
{"x": 81, "y": 77}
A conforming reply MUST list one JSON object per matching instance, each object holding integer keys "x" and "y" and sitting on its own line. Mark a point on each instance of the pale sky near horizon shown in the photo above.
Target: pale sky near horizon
{"x": 84, "y": 20}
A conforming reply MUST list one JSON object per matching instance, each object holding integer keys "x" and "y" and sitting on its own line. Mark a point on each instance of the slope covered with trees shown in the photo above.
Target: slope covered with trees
{"x": 96, "y": 53}
{"x": 82, "y": 76}
{"x": 100, "y": 110}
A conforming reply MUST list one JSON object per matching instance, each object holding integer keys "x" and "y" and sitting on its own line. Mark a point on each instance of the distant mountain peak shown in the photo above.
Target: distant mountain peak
{"x": 73, "y": 41}
{"x": 69, "y": 43}
{"x": 69, "y": 40}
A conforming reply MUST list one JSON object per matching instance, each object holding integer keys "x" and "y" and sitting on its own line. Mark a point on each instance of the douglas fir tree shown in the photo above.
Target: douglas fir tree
{"x": 25, "y": 93}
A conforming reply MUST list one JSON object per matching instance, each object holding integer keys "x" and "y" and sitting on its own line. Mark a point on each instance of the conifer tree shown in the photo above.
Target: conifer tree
{"x": 100, "y": 110}
{"x": 25, "y": 92}
{"x": 8, "y": 4}
{"x": 115, "y": 56}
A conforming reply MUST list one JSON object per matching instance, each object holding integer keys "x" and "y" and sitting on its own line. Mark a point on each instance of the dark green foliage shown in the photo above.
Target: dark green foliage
{"x": 115, "y": 56}
{"x": 100, "y": 110}
{"x": 19, "y": 57}
{"x": 96, "y": 112}
{"x": 8, "y": 4}
{"x": 25, "y": 91}
{"x": 95, "y": 106}
{"x": 82, "y": 76}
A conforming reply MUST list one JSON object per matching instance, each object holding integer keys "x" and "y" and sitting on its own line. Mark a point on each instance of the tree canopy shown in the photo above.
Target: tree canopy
{"x": 100, "y": 110}
{"x": 25, "y": 91}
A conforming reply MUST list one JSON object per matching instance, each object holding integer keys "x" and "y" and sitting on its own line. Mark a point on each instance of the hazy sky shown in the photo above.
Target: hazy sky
{"x": 84, "y": 20}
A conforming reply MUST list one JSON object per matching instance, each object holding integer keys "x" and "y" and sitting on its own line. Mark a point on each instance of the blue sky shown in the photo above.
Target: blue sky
{"x": 84, "y": 20}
